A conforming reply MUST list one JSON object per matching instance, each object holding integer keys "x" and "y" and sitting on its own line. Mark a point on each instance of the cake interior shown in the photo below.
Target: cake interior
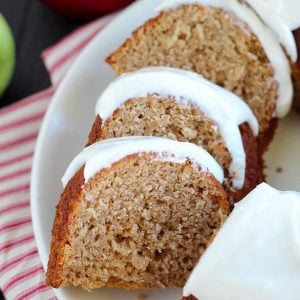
{"x": 142, "y": 223}
{"x": 155, "y": 115}
{"x": 211, "y": 42}
{"x": 164, "y": 117}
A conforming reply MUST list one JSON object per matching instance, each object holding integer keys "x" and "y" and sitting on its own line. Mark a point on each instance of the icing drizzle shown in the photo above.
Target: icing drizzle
{"x": 224, "y": 108}
{"x": 103, "y": 154}
{"x": 269, "y": 42}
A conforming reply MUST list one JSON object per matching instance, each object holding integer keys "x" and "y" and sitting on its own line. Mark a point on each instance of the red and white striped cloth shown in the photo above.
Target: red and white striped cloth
{"x": 21, "y": 271}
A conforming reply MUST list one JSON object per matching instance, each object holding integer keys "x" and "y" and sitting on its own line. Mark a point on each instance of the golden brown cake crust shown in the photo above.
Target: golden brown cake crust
{"x": 65, "y": 214}
{"x": 254, "y": 163}
{"x": 65, "y": 211}
{"x": 95, "y": 133}
{"x": 263, "y": 142}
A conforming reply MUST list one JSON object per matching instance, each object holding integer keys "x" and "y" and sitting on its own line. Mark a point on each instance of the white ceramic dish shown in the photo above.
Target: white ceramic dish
{"x": 67, "y": 123}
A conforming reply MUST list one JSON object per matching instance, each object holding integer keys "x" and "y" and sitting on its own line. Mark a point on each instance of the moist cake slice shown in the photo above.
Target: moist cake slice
{"x": 136, "y": 212}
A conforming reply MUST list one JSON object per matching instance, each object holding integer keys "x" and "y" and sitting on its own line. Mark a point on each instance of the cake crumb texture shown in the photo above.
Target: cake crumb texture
{"x": 165, "y": 117}
{"x": 211, "y": 42}
{"x": 141, "y": 223}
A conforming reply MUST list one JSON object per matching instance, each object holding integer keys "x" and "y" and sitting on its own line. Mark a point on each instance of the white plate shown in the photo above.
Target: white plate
{"x": 67, "y": 123}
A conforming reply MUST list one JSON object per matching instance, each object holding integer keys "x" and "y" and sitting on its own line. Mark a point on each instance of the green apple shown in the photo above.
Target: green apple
{"x": 7, "y": 54}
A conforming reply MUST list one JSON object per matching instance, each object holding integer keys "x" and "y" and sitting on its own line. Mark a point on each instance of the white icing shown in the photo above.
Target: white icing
{"x": 104, "y": 153}
{"x": 269, "y": 42}
{"x": 256, "y": 254}
{"x": 282, "y": 16}
{"x": 221, "y": 106}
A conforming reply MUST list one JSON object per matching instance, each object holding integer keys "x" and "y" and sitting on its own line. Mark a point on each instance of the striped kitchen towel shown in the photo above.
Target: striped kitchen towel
{"x": 21, "y": 271}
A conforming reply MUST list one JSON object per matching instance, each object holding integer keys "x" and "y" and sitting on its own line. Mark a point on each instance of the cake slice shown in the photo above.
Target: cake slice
{"x": 136, "y": 212}
{"x": 227, "y": 43}
{"x": 183, "y": 106}
{"x": 256, "y": 253}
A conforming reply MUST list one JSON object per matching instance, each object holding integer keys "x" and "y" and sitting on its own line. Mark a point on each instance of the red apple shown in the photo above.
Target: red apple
{"x": 84, "y": 9}
{"x": 296, "y": 72}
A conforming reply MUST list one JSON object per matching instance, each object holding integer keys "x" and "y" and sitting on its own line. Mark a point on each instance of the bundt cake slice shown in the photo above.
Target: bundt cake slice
{"x": 136, "y": 212}
{"x": 224, "y": 41}
{"x": 183, "y": 106}
{"x": 255, "y": 255}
